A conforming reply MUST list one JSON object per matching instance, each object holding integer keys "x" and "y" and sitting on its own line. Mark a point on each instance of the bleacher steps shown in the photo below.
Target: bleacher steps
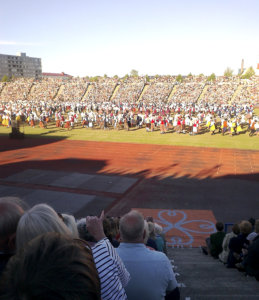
{"x": 32, "y": 84}
{"x": 174, "y": 89}
{"x": 143, "y": 92}
{"x": 60, "y": 90}
{"x": 205, "y": 278}
{"x": 114, "y": 92}
{"x": 203, "y": 92}
{"x": 235, "y": 94}
{"x": 1, "y": 89}
{"x": 32, "y": 89}
{"x": 88, "y": 89}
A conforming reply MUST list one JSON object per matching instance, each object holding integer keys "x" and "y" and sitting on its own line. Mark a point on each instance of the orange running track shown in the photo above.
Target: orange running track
{"x": 169, "y": 177}
{"x": 123, "y": 158}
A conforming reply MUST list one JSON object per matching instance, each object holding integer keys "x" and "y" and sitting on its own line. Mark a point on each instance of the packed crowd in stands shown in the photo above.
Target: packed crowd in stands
{"x": 2, "y": 84}
{"x": 220, "y": 92}
{"x": 44, "y": 90}
{"x": 238, "y": 249}
{"x": 18, "y": 89}
{"x": 160, "y": 103}
{"x": 91, "y": 258}
{"x": 72, "y": 90}
{"x": 246, "y": 92}
{"x": 157, "y": 92}
{"x": 129, "y": 90}
{"x": 187, "y": 92}
{"x": 101, "y": 90}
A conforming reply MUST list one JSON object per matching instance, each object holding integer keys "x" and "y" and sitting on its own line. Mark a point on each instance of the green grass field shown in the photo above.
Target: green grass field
{"x": 140, "y": 136}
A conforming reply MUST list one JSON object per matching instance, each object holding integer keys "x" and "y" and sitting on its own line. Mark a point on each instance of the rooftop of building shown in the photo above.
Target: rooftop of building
{"x": 62, "y": 74}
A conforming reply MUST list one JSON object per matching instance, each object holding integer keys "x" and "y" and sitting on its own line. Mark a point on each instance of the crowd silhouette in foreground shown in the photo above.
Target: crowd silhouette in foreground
{"x": 48, "y": 255}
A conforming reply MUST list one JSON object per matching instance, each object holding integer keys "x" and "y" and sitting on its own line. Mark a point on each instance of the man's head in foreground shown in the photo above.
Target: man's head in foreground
{"x": 132, "y": 227}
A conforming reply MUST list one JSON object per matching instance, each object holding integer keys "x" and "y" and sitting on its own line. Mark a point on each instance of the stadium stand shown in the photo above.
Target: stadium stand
{"x": 101, "y": 90}
{"x": 45, "y": 89}
{"x": 192, "y": 106}
{"x": 16, "y": 90}
{"x": 129, "y": 90}
{"x": 72, "y": 90}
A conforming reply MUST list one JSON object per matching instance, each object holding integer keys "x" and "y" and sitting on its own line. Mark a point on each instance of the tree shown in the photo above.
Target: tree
{"x": 5, "y": 78}
{"x": 179, "y": 78}
{"x": 126, "y": 76}
{"x": 212, "y": 77}
{"x": 201, "y": 75}
{"x": 134, "y": 73}
{"x": 105, "y": 76}
{"x": 116, "y": 76}
{"x": 190, "y": 74}
{"x": 147, "y": 78}
{"x": 228, "y": 72}
{"x": 249, "y": 73}
{"x": 94, "y": 79}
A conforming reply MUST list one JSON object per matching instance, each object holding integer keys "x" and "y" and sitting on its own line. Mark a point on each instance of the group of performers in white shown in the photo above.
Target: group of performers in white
{"x": 179, "y": 117}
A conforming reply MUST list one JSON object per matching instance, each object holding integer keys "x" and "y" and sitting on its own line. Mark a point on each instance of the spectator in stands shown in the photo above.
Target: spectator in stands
{"x": 70, "y": 222}
{"x": 251, "y": 260}
{"x": 255, "y": 227}
{"x": 39, "y": 219}
{"x": 236, "y": 244}
{"x": 252, "y": 221}
{"x": 223, "y": 256}
{"x": 83, "y": 232}
{"x": 151, "y": 273}
{"x": 52, "y": 266}
{"x": 160, "y": 242}
{"x": 214, "y": 242}
{"x": 151, "y": 241}
{"x": 42, "y": 219}
{"x": 109, "y": 233}
{"x": 114, "y": 221}
{"x": 146, "y": 234}
{"x": 113, "y": 275}
{"x": 10, "y": 214}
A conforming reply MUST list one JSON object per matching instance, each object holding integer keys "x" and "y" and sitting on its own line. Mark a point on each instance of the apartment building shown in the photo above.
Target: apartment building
{"x": 20, "y": 65}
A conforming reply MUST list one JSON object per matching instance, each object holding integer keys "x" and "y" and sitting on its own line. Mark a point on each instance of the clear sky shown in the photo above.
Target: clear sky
{"x": 166, "y": 37}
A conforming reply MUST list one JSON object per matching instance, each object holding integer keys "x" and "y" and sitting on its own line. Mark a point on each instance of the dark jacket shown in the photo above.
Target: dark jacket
{"x": 216, "y": 240}
{"x": 251, "y": 261}
{"x": 235, "y": 246}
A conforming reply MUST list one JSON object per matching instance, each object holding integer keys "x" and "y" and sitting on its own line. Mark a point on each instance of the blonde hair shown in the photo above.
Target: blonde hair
{"x": 158, "y": 229}
{"x": 40, "y": 219}
{"x": 70, "y": 222}
{"x": 151, "y": 230}
{"x": 146, "y": 231}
